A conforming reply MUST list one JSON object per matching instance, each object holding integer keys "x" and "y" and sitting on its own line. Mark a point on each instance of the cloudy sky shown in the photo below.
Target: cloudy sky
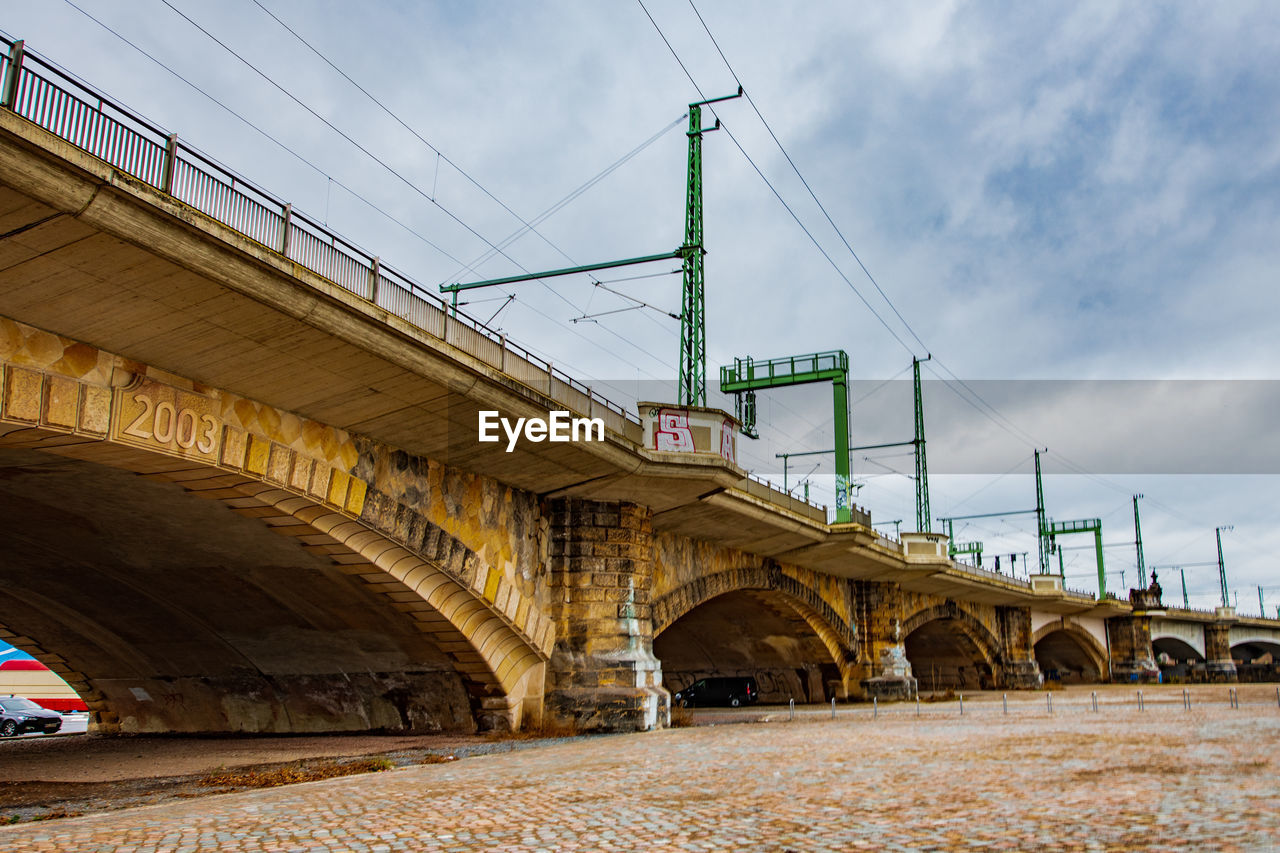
{"x": 1050, "y": 197}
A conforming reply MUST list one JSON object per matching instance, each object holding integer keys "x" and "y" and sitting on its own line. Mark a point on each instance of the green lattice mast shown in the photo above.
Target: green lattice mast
{"x": 922, "y": 466}
{"x": 692, "y": 390}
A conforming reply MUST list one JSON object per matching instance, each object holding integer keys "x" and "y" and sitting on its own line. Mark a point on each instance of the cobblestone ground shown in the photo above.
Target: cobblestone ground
{"x": 1164, "y": 778}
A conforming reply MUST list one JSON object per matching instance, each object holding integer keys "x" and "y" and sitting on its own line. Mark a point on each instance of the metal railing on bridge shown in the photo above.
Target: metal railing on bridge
{"x": 70, "y": 109}
{"x": 52, "y": 99}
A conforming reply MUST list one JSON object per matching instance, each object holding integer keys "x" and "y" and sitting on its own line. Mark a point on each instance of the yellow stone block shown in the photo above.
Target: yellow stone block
{"x": 95, "y": 410}
{"x": 258, "y": 456}
{"x": 355, "y": 496}
{"x": 279, "y": 463}
{"x": 234, "y": 445}
{"x": 320, "y": 480}
{"x": 22, "y": 394}
{"x": 491, "y": 584}
{"x": 61, "y": 402}
{"x": 338, "y": 488}
{"x": 300, "y": 477}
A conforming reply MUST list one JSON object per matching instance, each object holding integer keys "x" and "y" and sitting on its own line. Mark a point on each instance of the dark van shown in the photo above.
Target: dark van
{"x": 731, "y": 691}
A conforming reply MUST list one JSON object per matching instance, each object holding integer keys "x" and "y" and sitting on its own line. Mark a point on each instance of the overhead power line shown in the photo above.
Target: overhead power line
{"x": 724, "y": 126}
{"x": 645, "y": 351}
{"x": 374, "y": 157}
{"x": 404, "y": 124}
{"x": 526, "y": 225}
{"x": 260, "y": 131}
{"x": 807, "y": 187}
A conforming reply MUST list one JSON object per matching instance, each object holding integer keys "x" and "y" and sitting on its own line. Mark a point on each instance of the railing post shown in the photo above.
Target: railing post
{"x": 10, "y": 95}
{"x": 374, "y": 272}
{"x": 284, "y": 235}
{"x": 170, "y": 157}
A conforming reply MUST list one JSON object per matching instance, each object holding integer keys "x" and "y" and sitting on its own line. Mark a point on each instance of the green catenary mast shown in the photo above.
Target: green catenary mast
{"x": 692, "y": 389}
{"x": 922, "y": 467}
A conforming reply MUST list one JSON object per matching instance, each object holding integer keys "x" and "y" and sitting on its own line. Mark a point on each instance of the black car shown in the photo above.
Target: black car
{"x": 731, "y": 691}
{"x": 19, "y": 716}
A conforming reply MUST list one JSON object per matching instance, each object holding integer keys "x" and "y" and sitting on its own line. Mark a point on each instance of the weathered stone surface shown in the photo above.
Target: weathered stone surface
{"x": 603, "y": 674}
{"x": 1219, "y": 665}
{"x": 1132, "y": 658}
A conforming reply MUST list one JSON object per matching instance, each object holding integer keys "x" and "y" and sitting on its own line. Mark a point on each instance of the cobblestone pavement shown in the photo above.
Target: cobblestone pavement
{"x": 1163, "y": 778}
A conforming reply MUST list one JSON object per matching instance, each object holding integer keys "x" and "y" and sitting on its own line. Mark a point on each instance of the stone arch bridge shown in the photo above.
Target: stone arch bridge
{"x": 243, "y": 491}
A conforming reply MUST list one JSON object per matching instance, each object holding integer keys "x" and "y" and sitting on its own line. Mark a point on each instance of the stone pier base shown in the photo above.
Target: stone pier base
{"x": 1021, "y": 675}
{"x": 603, "y": 675}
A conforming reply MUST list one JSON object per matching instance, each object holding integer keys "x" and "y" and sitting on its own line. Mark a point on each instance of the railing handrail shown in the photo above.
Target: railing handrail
{"x": 80, "y": 91}
{"x": 988, "y": 573}
{"x": 242, "y": 203}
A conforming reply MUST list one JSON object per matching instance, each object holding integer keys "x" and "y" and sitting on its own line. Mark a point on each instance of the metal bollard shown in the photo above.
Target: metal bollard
{"x": 793, "y": 711}
{"x": 1234, "y": 697}
{"x": 917, "y": 704}
{"x": 1186, "y": 699}
{"x": 1049, "y": 701}
{"x": 961, "y": 704}
{"x": 1140, "y": 708}
{"x": 833, "y": 707}
{"x": 1005, "y": 699}
{"x": 875, "y": 707}
{"x": 1278, "y": 696}
{"x": 1093, "y": 696}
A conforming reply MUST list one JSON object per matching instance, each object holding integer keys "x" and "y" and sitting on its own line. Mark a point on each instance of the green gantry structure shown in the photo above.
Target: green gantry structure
{"x": 746, "y": 376}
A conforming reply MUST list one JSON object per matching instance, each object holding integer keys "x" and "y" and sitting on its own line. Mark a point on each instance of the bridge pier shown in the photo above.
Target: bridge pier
{"x": 1218, "y": 663}
{"x": 1132, "y": 657}
{"x": 603, "y": 675}
{"x": 1018, "y": 667}
{"x": 887, "y": 673}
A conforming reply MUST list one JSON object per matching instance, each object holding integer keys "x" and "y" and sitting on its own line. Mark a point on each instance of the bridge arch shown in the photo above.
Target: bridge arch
{"x": 494, "y": 641}
{"x": 949, "y": 648}
{"x": 92, "y": 698}
{"x": 782, "y": 631}
{"x": 1257, "y": 656}
{"x": 1070, "y": 652}
{"x": 1181, "y": 642}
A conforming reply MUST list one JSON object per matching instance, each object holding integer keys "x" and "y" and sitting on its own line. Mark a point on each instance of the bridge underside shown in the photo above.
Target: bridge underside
{"x": 944, "y": 657}
{"x": 1063, "y": 657}
{"x": 173, "y": 613}
{"x": 749, "y": 632}
{"x": 1257, "y": 660}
